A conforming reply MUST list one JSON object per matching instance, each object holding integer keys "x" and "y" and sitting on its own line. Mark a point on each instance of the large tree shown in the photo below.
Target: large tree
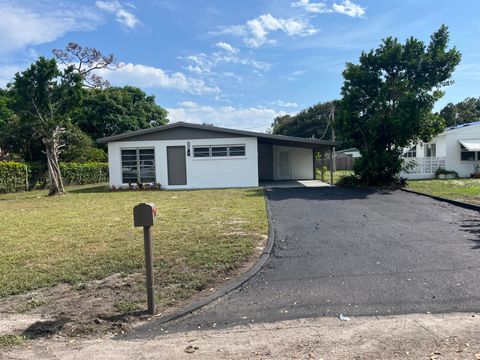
{"x": 387, "y": 101}
{"x": 463, "y": 112}
{"x": 116, "y": 110}
{"x": 43, "y": 98}
{"x": 313, "y": 122}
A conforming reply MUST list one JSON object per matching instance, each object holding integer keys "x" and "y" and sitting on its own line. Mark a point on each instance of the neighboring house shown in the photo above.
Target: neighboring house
{"x": 457, "y": 148}
{"x": 353, "y": 152}
{"x": 185, "y": 156}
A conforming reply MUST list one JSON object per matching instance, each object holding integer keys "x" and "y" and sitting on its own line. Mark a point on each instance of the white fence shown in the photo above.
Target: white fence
{"x": 422, "y": 166}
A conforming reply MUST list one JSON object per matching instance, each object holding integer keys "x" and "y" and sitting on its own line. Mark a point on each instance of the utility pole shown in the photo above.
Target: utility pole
{"x": 332, "y": 124}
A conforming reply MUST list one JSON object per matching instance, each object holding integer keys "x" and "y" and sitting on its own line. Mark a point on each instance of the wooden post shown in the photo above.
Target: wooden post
{"x": 331, "y": 166}
{"x": 144, "y": 216}
{"x": 147, "y": 239}
{"x": 314, "y": 164}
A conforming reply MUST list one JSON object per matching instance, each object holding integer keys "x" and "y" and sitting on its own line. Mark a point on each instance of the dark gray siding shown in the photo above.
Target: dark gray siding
{"x": 265, "y": 161}
{"x": 181, "y": 134}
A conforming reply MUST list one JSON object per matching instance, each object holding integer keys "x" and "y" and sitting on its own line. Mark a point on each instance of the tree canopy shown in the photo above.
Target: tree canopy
{"x": 387, "y": 101}
{"x": 312, "y": 122}
{"x": 463, "y": 112}
{"x": 116, "y": 110}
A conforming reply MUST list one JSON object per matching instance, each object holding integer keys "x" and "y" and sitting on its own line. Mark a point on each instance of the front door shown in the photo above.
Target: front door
{"x": 177, "y": 166}
{"x": 283, "y": 165}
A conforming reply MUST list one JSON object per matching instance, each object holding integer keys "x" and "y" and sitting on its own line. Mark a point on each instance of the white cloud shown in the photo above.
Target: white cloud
{"x": 346, "y": 7}
{"x": 123, "y": 16}
{"x": 284, "y": 104}
{"x": 205, "y": 64}
{"x": 7, "y": 72}
{"x": 317, "y": 8}
{"x": 349, "y": 8}
{"x": 39, "y": 23}
{"x": 246, "y": 118}
{"x": 255, "y": 31}
{"x": 145, "y": 76}
{"x": 227, "y": 47}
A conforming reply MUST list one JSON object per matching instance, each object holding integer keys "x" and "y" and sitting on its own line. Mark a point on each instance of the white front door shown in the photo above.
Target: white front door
{"x": 283, "y": 165}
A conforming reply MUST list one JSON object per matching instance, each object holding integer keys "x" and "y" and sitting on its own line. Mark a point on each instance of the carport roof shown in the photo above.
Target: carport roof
{"x": 266, "y": 138}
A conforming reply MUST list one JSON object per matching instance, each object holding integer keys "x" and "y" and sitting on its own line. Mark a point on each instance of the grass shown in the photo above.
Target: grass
{"x": 89, "y": 234}
{"x": 466, "y": 190}
{"x": 125, "y": 306}
{"x": 336, "y": 175}
{"x": 7, "y": 340}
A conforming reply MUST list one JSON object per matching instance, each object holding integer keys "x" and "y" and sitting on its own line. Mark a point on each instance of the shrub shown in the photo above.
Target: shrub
{"x": 349, "y": 181}
{"x": 84, "y": 173}
{"x": 13, "y": 176}
{"x": 446, "y": 174}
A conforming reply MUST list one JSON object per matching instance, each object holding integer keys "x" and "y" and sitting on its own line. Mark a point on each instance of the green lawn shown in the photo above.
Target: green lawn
{"x": 467, "y": 190}
{"x": 89, "y": 234}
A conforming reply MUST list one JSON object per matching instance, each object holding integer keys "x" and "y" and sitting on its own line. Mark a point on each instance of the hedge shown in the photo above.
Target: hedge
{"x": 13, "y": 175}
{"x": 84, "y": 173}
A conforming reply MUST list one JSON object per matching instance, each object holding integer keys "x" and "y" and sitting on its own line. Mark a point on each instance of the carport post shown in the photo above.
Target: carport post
{"x": 331, "y": 166}
{"x": 322, "y": 155}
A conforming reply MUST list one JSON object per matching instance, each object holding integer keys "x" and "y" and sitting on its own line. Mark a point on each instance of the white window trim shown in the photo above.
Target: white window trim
{"x": 137, "y": 148}
{"x": 210, "y": 157}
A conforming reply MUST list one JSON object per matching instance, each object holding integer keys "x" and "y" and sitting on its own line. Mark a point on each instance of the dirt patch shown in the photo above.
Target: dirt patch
{"x": 109, "y": 306}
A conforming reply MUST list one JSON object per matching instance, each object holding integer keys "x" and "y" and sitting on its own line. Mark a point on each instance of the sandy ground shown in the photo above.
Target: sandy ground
{"x": 421, "y": 336}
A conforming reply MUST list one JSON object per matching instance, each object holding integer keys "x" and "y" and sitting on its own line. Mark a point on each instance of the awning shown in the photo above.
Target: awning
{"x": 471, "y": 145}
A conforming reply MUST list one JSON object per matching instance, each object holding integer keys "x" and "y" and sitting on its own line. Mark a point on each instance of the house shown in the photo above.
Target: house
{"x": 457, "y": 148}
{"x": 182, "y": 155}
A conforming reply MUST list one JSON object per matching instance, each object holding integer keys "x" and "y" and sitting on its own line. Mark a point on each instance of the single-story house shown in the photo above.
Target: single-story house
{"x": 457, "y": 148}
{"x": 182, "y": 155}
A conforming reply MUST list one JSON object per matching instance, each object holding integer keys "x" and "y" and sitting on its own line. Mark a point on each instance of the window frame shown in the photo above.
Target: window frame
{"x": 464, "y": 150}
{"x": 139, "y": 165}
{"x": 212, "y": 153}
{"x": 411, "y": 153}
{"x": 432, "y": 147}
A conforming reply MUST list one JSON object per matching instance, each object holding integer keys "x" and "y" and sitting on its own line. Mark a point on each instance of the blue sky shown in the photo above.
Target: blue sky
{"x": 235, "y": 63}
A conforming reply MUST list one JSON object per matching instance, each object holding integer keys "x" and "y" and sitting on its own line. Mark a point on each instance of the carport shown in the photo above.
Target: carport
{"x": 286, "y": 158}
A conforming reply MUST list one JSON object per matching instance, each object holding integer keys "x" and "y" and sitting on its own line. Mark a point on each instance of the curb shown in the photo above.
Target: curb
{"x": 452, "y": 202}
{"x": 235, "y": 284}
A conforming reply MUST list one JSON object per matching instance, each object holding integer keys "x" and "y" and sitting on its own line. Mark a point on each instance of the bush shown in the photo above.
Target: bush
{"x": 446, "y": 174}
{"x": 13, "y": 176}
{"x": 84, "y": 173}
{"x": 349, "y": 181}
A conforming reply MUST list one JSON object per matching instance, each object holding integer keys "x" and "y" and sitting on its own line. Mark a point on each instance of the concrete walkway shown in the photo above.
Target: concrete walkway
{"x": 450, "y": 336}
{"x": 293, "y": 184}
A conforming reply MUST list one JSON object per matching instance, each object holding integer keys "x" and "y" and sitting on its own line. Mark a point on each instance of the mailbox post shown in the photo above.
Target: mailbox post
{"x": 144, "y": 216}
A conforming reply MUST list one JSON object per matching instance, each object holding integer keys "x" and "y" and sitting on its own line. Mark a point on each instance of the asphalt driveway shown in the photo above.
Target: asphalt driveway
{"x": 354, "y": 252}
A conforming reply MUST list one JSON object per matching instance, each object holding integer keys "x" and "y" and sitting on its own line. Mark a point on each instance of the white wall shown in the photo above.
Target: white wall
{"x": 201, "y": 172}
{"x": 301, "y": 162}
{"x": 452, "y": 159}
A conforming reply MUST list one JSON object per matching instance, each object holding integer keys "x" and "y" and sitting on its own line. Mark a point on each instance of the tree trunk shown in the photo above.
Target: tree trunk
{"x": 52, "y": 150}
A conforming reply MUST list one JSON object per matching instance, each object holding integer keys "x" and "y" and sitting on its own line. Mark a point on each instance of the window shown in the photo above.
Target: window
{"x": 138, "y": 166}
{"x": 236, "y": 150}
{"x": 218, "y": 151}
{"x": 411, "y": 153}
{"x": 201, "y": 151}
{"x": 430, "y": 150}
{"x": 466, "y": 155}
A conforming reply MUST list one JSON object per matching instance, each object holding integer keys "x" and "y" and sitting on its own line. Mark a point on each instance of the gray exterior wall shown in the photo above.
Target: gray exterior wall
{"x": 179, "y": 134}
{"x": 265, "y": 161}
